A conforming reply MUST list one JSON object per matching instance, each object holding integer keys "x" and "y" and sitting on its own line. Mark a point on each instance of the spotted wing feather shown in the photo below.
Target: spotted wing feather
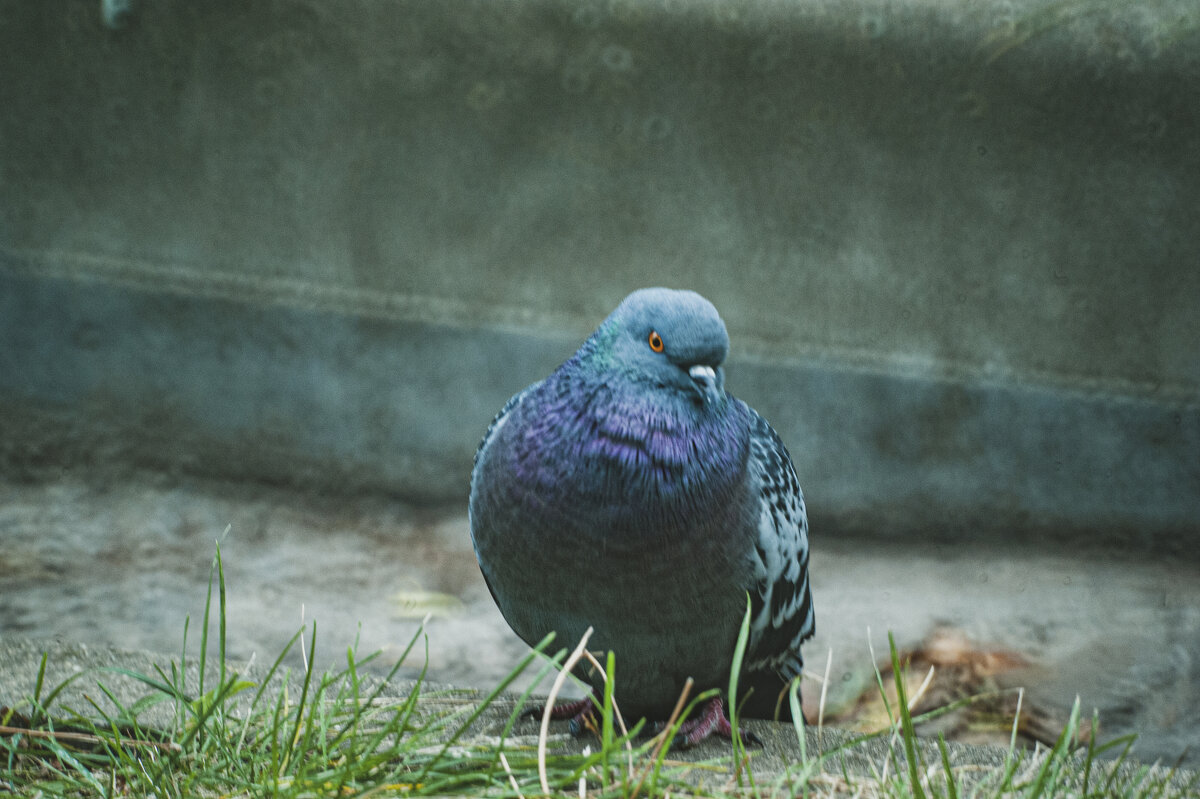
{"x": 781, "y": 600}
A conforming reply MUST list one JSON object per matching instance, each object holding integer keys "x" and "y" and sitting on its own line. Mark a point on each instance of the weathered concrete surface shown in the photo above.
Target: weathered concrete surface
{"x": 322, "y": 242}
{"x": 123, "y": 563}
{"x": 20, "y": 660}
{"x": 107, "y": 377}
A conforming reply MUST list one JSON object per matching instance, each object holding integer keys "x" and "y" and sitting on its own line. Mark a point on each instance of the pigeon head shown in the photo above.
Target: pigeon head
{"x": 670, "y": 339}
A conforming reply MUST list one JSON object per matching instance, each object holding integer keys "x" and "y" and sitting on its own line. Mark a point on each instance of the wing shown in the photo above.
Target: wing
{"x": 781, "y": 601}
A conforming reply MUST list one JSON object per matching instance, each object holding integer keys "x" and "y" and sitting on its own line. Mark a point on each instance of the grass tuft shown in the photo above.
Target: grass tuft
{"x": 231, "y": 733}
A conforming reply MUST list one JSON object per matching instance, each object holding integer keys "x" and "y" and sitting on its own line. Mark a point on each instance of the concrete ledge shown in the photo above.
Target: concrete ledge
{"x": 107, "y": 376}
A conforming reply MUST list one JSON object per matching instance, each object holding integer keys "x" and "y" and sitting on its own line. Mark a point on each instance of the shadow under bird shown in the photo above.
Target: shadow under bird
{"x": 630, "y": 493}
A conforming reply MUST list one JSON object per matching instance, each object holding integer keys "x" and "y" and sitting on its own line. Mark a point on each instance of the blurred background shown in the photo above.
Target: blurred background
{"x": 272, "y": 267}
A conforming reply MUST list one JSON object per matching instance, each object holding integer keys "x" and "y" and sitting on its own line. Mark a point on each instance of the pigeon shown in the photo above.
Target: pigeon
{"x": 628, "y": 492}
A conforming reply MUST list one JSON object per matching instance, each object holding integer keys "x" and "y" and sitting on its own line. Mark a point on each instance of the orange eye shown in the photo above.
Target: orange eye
{"x": 656, "y": 342}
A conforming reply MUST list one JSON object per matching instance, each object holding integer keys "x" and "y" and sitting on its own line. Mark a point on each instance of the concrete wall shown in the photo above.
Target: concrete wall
{"x": 957, "y": 244}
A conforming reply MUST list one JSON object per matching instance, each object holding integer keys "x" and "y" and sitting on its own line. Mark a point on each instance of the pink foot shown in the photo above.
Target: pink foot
{"x": 712, "y": 719}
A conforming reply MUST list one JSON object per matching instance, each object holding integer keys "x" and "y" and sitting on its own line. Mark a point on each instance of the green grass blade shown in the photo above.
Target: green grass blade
{"x": 205, "y": 620}
{"x": 41, "y": 707}
{"x": 606, "y": 718}
{"x": 301, "y": 706}
{"x": 221, "y": 611}
{"x": 908, "y": 734}
{"x": 735, "y": 673}
{"x": 699, "y": 699}
{"x": 951, "y": 783}
{"x": 1090, "y": 755}
{"x": 487, "y": 700}
{"x": 1047, "y": 773}
{"x": 37, "y": 688}
{"x": 798, "y": 725}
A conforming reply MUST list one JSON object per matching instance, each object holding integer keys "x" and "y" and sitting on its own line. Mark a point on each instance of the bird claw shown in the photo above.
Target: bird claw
{"x": 712, "y": 720}
{"x": 582, "y": 722}
{"x": 580, "y": 712}
{"x": 750, "y": 738}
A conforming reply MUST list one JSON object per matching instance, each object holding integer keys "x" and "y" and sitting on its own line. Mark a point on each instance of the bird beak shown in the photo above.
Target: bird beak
{"x": 708, "y": 382}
